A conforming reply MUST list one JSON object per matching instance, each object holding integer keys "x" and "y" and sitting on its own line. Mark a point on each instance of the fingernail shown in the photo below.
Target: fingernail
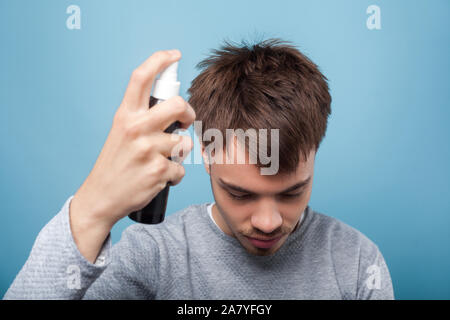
{"x": 174, "y": 52}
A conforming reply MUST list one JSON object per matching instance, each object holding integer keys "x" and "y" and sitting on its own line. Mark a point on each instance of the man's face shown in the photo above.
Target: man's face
{"x": 252, "y": 207}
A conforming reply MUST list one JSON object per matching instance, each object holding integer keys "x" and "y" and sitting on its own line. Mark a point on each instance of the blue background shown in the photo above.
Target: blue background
{"x": 382, "y": 168}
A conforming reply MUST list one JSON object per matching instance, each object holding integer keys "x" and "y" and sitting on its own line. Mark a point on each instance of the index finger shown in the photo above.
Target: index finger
{"x": 137, "y": 94}
{"x": 161, "y": 115}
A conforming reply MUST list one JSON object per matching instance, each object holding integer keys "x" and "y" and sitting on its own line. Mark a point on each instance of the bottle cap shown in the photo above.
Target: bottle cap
{"x": 167, "y": 86}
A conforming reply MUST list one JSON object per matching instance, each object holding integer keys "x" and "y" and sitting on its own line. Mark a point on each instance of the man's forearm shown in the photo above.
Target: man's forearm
{"x": 55, "y": 268}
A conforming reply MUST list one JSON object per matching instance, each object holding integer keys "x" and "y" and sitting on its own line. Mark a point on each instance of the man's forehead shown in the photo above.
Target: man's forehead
{"x": 240, "y": 156}
{"x": 248, "y": 176}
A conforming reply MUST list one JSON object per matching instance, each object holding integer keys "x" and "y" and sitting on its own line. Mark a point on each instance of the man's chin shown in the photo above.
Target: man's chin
{"x": 261, "y": 252}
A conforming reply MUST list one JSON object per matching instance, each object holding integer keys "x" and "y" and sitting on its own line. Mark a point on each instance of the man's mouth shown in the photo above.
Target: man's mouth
{"x": 264, "y": 243}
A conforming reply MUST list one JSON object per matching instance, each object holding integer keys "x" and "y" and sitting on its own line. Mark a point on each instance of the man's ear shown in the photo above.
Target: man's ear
{"x": 205, "y": 156}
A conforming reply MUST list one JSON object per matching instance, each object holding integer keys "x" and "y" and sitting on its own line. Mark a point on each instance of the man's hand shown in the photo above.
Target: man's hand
{"x": 132, "y": 167}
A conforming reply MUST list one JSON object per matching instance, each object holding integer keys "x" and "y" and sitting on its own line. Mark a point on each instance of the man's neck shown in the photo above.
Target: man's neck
{"x": 217, "y": 217}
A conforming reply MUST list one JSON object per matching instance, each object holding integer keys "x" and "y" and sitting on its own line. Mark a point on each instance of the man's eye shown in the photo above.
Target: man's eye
{"x": 288, "y": 196}
{"x": 291, "y": 196}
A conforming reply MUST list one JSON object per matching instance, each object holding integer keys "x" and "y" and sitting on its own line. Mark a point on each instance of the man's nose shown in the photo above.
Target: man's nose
{"x": 267, "y": 218}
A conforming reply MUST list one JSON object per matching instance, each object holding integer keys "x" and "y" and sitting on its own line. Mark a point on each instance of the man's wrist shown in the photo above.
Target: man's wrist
{"x": 88, "y": 229}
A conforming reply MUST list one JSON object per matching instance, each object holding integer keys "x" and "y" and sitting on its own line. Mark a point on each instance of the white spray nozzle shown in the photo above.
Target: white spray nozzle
{"x": 167, "y": 85}
{"x": 170, "y": 73}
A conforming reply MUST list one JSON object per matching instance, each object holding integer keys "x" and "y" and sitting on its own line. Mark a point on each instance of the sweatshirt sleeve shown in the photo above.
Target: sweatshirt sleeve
{"x": 55, "y": 269}
{"x": 374, "y": 280}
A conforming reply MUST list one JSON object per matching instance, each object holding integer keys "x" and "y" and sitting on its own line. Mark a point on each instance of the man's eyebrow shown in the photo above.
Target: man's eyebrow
{"x": 239, "y": 189}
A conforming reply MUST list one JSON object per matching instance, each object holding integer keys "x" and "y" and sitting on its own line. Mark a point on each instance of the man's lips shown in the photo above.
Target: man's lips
{"x": 262, "y": 243}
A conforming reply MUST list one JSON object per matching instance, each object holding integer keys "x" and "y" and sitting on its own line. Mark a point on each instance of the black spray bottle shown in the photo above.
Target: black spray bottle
{"x": 166, "y": 86}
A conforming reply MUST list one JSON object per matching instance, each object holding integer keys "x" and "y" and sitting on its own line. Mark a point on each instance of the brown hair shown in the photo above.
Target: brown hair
{"x": 268, "y": 85}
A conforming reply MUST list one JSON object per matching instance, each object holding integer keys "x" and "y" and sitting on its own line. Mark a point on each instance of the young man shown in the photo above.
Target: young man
{"x": 258, "y": 240}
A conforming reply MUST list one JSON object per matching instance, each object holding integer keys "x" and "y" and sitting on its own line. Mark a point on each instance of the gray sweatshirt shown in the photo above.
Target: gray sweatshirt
{"x": 189, "y": 257}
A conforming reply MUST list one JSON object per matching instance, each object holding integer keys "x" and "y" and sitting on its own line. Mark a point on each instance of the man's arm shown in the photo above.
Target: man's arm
{"x": 374, "y": 281}
{"x": 134, "y": 165}
{"x": 55, "y": 269}
{"x": 361, "y": 271}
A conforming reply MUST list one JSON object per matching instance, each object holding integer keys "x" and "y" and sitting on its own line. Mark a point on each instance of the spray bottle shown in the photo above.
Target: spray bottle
{"x": 166, "y": 86}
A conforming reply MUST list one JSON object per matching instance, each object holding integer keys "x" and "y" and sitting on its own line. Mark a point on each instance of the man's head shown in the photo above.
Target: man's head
{"x": 270, "y": 85}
